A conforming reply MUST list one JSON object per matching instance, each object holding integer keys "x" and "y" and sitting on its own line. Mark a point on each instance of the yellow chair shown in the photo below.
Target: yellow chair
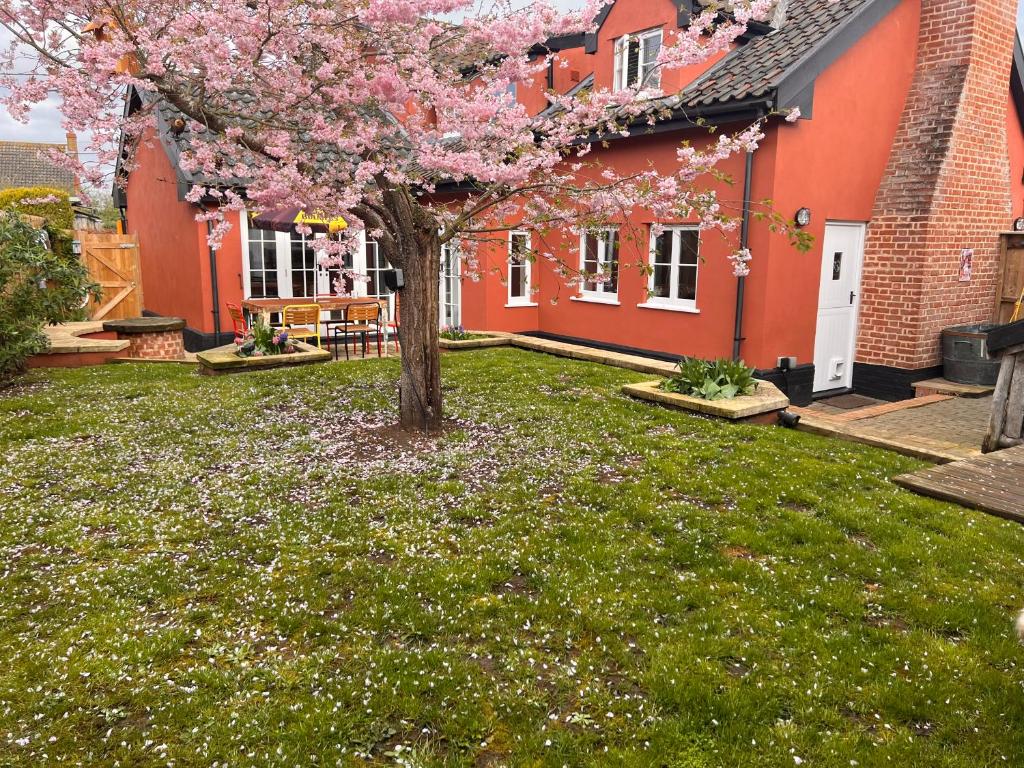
{"x": 302, "y": 321}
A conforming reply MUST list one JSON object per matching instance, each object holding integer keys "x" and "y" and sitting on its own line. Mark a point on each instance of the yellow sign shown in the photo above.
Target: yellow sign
{"x": 333, "y": 225}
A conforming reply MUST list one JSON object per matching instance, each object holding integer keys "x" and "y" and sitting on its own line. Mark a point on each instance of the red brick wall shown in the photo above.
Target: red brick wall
{"x": 165, "y": 345}
{"x": 946, "y": 187}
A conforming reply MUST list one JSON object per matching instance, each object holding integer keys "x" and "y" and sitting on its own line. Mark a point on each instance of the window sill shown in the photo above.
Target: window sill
{"x": 611, "y": 300}
{"x": 671, "y": 308}
{"x": 513, "y": 305}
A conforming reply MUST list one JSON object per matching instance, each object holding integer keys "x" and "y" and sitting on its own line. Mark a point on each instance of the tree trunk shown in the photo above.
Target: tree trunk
{"x": 420, "y": 384}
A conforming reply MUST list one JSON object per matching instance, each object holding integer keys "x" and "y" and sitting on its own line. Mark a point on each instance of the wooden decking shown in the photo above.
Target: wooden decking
{"x": 992, "y": 483}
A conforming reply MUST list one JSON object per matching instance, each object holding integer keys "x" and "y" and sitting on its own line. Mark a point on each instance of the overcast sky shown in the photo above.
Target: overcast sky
{"x": 45, "y": 122}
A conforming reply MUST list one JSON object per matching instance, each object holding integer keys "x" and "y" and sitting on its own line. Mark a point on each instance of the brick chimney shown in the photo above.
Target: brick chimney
{"x": 71, "y": 140}
{"x": 946, "y": 188}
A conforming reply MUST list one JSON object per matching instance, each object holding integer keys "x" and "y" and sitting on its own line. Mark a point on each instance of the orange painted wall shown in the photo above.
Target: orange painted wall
{"x": 832, "y": 164}
{"x": 173, "y": 249}
{"x": 569, "y": 67}
{"x": 1015, "y": 137}
{"x": 625, "y": 18}
{"x": 169, "y": 237}
{"x": 706, "y": 333}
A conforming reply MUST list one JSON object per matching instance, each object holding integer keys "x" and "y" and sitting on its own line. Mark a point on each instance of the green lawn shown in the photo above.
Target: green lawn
{"x": 253, "y": 570}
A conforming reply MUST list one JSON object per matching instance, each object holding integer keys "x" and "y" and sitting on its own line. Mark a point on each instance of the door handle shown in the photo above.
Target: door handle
{"x": 852, "y": 294}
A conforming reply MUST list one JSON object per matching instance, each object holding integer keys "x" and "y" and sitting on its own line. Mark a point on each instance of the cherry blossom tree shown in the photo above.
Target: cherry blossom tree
{"x": 425, "y": 144}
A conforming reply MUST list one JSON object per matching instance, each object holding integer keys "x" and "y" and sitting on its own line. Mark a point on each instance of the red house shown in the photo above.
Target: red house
{"x": 908, "y": 154}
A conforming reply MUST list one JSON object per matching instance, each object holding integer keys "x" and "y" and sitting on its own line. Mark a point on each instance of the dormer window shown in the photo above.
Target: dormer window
{"x": 636, "y": 60}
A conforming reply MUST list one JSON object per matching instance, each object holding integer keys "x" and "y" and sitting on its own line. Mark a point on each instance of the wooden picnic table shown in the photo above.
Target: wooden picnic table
{"x": 264, "y": 307}
{"x": 254, "y": 306}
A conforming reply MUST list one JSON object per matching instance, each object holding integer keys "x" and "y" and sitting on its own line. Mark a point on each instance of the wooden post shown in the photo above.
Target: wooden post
{"x": 1006, "y": 423}
{"x": 1015, "y": 401}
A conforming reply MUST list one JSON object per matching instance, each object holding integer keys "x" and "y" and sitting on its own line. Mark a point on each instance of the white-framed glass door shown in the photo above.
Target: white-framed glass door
{"x": 450, "y": 303}
{"x": 286, "y": 265}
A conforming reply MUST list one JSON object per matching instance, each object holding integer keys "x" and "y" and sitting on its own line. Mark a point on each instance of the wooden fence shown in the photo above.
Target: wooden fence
{"x": 113, "y": 262}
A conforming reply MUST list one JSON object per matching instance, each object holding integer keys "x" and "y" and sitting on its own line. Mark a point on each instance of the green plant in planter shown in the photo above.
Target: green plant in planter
{"x": 458, "y": 333}
{"x": 721, "y": 379}
{"x": 262, "y": 340}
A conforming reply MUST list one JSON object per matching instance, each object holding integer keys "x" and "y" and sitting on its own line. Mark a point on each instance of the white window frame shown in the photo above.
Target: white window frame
{"x": 601, "y": 291}
{"x": 672, "y": 301}
{"x": 324, "y": 287}
{"x": 526, "y": 300}
{"x": 648, "y": 74}
{"x": 451, "y": 270}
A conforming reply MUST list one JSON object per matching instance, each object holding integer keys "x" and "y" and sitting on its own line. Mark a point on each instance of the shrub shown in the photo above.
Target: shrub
{"x": 37, "y": 287}
{"x": 721, "y": 379}
{"x": 53, "y": 205}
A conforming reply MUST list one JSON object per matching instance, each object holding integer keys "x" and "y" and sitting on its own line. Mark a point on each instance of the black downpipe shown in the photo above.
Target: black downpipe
{"x": 214, "y": 287}
{"x": 741, "y": 282}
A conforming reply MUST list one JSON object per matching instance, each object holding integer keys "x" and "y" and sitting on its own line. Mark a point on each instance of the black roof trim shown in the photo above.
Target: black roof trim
{"x": 755, "y": 29}
{"x": 590, "y": 38}
{"x": 745, "y": 112}
{"x": 1017, "y": 78}
{"x": 705, "y": 116}
{"x": 795, "y": 81}
{"x": 564, "y": 42}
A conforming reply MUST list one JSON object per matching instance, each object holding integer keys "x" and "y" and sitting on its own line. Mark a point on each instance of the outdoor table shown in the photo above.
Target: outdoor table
{"x": 264, "y": 307}
{"x": 327, "y": 303}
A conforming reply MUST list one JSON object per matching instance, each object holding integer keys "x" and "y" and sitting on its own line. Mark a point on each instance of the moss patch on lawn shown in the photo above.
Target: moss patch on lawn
{"x": 255, "y": 570}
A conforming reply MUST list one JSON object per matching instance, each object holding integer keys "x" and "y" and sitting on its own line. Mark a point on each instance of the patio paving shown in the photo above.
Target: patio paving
{"x": 67, "y": 339}
{"x": 936, "y": 428}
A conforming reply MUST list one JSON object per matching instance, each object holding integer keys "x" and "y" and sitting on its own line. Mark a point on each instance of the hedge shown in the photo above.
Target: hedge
{"x": 37, "y": 286}
{"x": 58, "y": 214}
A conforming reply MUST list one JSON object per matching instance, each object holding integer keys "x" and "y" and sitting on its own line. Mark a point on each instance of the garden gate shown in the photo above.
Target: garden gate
{"x": 113, "y": 262}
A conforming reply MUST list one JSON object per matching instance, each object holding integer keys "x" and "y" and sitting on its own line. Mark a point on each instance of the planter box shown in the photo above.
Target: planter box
{"x": 488, "y": 341}
{"x": 225, "y": 360}
{"x": 762, "y": 406}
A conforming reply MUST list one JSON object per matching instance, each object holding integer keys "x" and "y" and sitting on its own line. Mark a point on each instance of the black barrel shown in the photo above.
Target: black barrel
{"x": 965, "y": 357}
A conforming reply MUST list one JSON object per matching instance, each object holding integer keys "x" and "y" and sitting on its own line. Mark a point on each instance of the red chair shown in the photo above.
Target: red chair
{"x": 238, "y": 324}
{"x": 392, "y": 327}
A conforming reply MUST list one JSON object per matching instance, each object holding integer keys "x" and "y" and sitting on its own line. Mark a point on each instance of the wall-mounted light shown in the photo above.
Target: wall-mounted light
{"x": 394, "y": 279}
{"x": 1018, "y": 224}
{"x": 802, "y": 217}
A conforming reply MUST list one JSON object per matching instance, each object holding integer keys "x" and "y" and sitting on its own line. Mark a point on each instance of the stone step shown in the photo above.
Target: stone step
{"x": 946, "y": 387}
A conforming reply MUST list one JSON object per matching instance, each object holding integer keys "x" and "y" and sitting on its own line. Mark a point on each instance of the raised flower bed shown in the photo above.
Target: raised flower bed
{"x": 227, "y": 360}
{"x": 457, "y": 337}
{"x": 723, "y": 388}
{"x": 263, "y": 347}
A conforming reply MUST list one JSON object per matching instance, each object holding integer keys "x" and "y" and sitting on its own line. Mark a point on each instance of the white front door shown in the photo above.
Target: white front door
{"x": 842, "y": 255}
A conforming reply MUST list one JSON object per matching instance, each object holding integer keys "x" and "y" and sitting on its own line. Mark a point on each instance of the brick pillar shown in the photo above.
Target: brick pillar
{"x": 946, "y": 187}
{"x": 160, "y": 345}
